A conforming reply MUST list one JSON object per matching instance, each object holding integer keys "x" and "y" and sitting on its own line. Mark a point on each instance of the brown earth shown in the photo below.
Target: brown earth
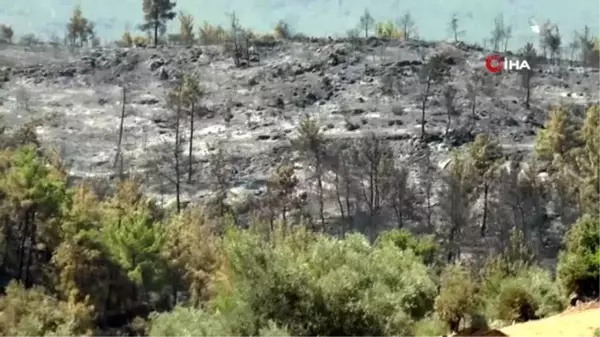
{"x": 570, "y": 323}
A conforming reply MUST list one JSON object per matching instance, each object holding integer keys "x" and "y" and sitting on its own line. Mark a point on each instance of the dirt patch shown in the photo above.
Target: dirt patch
{"x": 477, "y": 332}
{"x": 582, "y": 307}
{"x": 570, "y": 323}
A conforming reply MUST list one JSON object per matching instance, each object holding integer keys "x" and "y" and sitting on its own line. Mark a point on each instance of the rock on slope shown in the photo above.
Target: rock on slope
{"x": 252, "y": 112}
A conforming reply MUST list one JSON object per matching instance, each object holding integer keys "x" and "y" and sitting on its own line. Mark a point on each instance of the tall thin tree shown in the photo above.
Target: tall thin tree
{"x": 156, "y": 15}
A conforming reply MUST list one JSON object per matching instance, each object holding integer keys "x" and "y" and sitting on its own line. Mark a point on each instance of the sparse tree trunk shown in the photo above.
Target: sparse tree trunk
{"x": 284, "y": 214}
{"x": 7, "y": 241}
{"x": 25, "y": 234}
{"x": 118, "y": 157}
{"x": 339, "y": 201}
{"x": 32, "y": 245}
{"x": 319, "y": 169}
{"x": 528, "y": 90}
{"x": 191, "y": 145}
{"x": 399, "y": 214}
{"x": 486, "y": 189}
{"x": 176, "y": 156}
{"x": 451, "y": 245}
{"x": 426, "y": 95}
{"x": 156, "y": 26}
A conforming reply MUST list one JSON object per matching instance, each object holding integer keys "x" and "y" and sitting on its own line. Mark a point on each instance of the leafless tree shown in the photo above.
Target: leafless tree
{"x": 374, "y": 161}
{"x": 428, "y": 175}
{"x": 526, "y": 74}
{"x": 589, "y": 56}
{"x": 553, "y": 41}
{"x": 520, "y": 203}
{"x": 574, "y": 46}
{"x": 478, "y": 84}
{"x": 407, "y": 25}
{"x": 432, "y": 72}
{"x": 119, "y": 156}
{"x": 454, "y": 27}
{"x": 456, "y": 201}
{"x": 235, "y": 40}
{"x": 339, "y": 160}
{"x": 221, "y": 176}
{"x": 450, "y": 92}
{"x": 366, "y": 22}
{"x": 404, "y": 197}
{"x": 191, "y": 94}
{"x": 498, "y": 34}
{"x": 507, "y": 36}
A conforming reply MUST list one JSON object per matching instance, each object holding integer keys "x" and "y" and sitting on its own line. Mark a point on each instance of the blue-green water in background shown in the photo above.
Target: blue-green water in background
{"x": 315, "y": 17}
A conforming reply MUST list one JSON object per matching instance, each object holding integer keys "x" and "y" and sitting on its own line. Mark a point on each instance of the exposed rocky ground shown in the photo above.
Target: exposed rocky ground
{"x": 78, "y": 97}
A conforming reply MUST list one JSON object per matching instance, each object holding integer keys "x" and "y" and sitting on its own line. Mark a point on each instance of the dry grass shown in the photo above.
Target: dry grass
{"x": 569, "y": 323}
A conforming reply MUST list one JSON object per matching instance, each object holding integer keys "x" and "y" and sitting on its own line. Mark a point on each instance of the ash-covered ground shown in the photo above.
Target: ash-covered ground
{"x": 252, "y": 112}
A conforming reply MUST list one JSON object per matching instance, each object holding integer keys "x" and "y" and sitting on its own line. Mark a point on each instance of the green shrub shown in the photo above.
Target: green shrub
{"x": 545, "y": 295}
{"x": 188, "y": 322}
{"x": 32, "y": 312}
{"x": 272, "y": 330}
{"x": 516, "y": 266}
{"x": 318, "y": 285}
{"x": 515, "y": 302}
{"x": 597, "y": 333}
{"x": 578, "y": 264}
{"x": 424, "y": 246}
{"x": 458, "y": 296}
{"x": 430, "y": 326}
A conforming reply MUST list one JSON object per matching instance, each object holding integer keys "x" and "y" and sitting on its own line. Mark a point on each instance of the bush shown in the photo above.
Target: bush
{"x": 430, "y": 326}
{"x": 126, "y": 40}
{"x": 424, "y": 247}
{"x": 578, "y": 264}
{"x": 282, "y": 31}
{"x": 515, "y": 302}
{"x": 188, "y": 322}
{"x": 544, "y": 294}
{"x": 31, "y": 312}
{"x": 458, "y": 296}
{"x": 210, "y": 34}
{"x": 141, "y": 41}
{"x": 318, "y": 285}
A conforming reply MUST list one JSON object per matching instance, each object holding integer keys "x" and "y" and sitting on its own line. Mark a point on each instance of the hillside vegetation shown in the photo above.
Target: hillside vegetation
{"x": 79, "y": 263}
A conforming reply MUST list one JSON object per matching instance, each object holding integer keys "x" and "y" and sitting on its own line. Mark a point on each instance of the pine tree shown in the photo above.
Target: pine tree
{"x": 586, "y": 163}
{"x": 557, "y": 138}
{"x": 192, "y": 253}
{"x": 79, "y": 28}
{"x": 312, "y": 144}
{"x": 191, "y": 95}
{"x": 280, "y": 191}
{"x": 366, "y": 22}
{"x": 484, "y": 155}
{"x": 186, "y": 28}
{"x": 33, "y": 192}
{"x": 134, "y": 239}
{"x": 432, "y": 72}
{"x": 156, "y": 15}
{"x": 80, "y": 258}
